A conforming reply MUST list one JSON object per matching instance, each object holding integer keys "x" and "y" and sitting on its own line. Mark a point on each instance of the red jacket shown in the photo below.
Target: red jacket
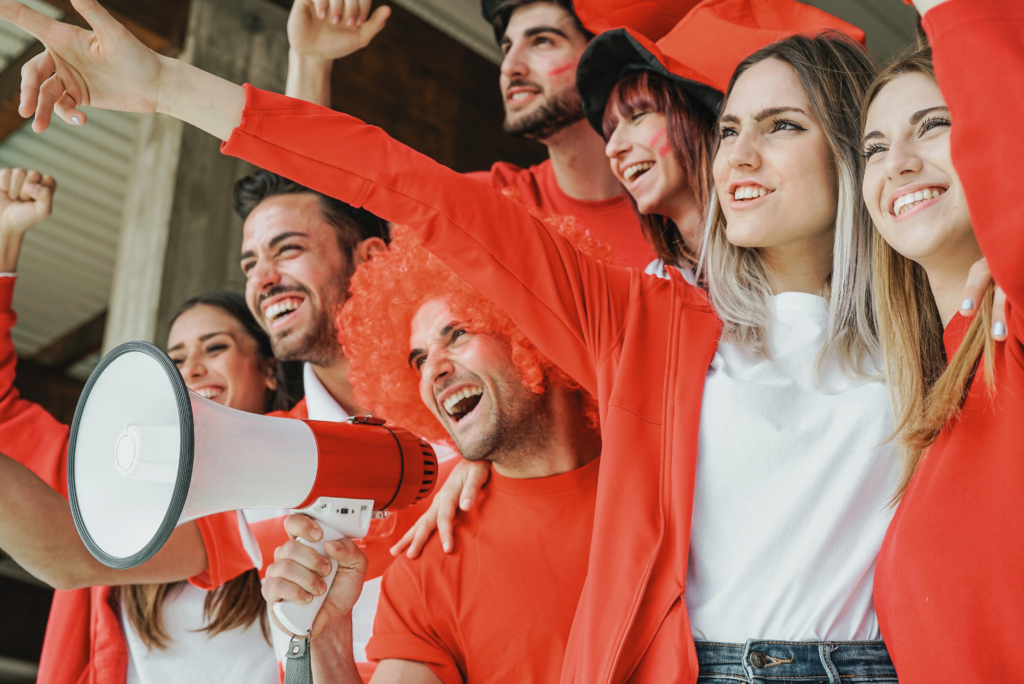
{"x": 640, "y": 344}
{"x": 949, "y": 585}
{"x": 612, "y": 221}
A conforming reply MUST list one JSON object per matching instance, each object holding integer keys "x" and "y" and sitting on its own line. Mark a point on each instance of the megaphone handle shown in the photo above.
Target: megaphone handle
{"x": 298, "y": 618}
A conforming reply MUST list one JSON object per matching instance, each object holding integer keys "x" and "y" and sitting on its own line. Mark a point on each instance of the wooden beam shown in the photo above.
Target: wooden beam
{"x": 75, "y": 345}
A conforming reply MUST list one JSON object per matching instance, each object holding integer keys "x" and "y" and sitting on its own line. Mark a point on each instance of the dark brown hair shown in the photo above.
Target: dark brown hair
{"x": 236, "y": 605}
{"x": 288, "y": 373}
{"x": 353, "y": 224}
{"x": 502, "y": 14}
{"x": 691, "y": 132}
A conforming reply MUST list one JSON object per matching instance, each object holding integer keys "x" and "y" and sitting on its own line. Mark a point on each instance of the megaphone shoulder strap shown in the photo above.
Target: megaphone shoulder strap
{"x": 298, "y": 667}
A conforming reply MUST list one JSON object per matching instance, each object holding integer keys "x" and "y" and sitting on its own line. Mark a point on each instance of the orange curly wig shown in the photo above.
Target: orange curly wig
{"x": 385, "y": 294}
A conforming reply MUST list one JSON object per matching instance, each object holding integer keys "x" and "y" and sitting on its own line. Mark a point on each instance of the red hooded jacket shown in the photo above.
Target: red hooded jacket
{"x": 640, "y": 344}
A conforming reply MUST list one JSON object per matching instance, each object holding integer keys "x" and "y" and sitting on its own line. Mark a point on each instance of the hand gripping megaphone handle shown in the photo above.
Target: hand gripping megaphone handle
{"x": 298, "y": 618}
{"x": 338, "y": 518}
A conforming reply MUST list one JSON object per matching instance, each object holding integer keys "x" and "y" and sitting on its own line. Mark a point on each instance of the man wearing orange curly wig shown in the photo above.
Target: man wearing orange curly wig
{"x": 436, "y": 357}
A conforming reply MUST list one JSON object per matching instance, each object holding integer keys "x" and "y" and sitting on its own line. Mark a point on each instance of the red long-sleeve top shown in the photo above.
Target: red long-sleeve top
{"x": 949, "y": 584}
{"x": 640, "y": 344}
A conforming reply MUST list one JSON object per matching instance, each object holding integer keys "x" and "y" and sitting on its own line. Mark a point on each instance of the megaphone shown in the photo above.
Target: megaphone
{"x": 146, "y": 455}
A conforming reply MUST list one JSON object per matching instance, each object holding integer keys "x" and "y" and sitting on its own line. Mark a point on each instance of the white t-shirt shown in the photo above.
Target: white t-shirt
{"x": 793, "y": 485}
{"x": 237, "y": 656}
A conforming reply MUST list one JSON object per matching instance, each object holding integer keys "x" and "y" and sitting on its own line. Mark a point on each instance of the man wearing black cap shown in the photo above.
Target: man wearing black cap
{"x": 542, "y": 41}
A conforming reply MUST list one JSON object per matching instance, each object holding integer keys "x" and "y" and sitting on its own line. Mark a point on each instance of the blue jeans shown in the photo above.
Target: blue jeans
{"x": 794, "y": 662}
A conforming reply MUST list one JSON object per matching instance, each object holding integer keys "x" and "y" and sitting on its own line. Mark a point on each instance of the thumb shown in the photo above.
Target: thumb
{"x": 349, "y": 556}
{"x": 375, "y": 24}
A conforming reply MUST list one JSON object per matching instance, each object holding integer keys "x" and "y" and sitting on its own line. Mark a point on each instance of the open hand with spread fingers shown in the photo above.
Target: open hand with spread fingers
{"x": 106, "y": 67}
{"x": 109, "y": 68}
{"x": 326, "y": 30}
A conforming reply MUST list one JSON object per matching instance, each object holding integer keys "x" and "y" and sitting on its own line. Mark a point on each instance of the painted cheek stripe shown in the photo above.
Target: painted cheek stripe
{"x": 665, "y": 148}
{"x": 558, "y": 71}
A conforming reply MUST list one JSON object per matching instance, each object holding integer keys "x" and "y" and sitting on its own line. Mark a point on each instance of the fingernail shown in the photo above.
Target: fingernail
{"x": 446, "y": 546}
{"x": 321, "y": 587}
{"x": 321, "y": 13}
{"x": 999, "y": 329}
{"x": 316, "y": 534}
{"x": 465, "y": 504}
{"x": 309, "y": 597}
{"x": 325, "y": 569}
{"x": 967, "y": 304}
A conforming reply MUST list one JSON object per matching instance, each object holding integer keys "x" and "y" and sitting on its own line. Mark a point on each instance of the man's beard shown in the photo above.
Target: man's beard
{"x": 521, "y": 421}
{"x": 318, "y": 343}
{"x": 561, "y": 110}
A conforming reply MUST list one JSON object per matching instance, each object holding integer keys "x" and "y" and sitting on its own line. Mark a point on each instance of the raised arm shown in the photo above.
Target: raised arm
{"x": 570, "y": 306}
{"x": 320, "y": 32}
{"x": 979, "y": 59}
{"x": 28, "y": 433}
{"x": 37, "y": 530}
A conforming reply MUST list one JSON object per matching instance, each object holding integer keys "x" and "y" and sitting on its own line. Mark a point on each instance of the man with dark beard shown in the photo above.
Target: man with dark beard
{"x": 542, "y": 41}
{"x": 437, "y": 357}
{"x": 299, "y": 250}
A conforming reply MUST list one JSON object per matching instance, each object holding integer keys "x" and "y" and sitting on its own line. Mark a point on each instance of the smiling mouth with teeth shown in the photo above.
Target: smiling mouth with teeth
{"x": 750, "y": 192}
{"x": 460, "y": 404}
{"x": 907, "y": 202}
{"x": 636, "y": 170}
{"x": 281, "y": 308}
{"x": 209, "y": 392}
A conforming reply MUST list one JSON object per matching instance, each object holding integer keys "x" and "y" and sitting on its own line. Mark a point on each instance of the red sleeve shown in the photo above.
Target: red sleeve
{"x": 28, "y": 434}
{"x": 979, "y": 64}
{"x": 572, "y": 307}
{"x": 225, "y": 540}
{"x": 404, "y": 628}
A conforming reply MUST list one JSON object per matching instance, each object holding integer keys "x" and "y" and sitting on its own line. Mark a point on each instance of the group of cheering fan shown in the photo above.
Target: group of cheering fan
{"x": 729, "y": 382}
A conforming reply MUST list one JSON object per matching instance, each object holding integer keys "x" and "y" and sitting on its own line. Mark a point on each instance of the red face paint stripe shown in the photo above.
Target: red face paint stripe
{"x": 557, "y": 71}
{"x": 657, "y": 137}
{"x": 664, "y": 149}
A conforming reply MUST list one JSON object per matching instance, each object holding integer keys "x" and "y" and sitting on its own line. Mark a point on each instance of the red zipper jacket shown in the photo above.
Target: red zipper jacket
{"x": 640, "y": 344}
{"x": 949, "y": 584}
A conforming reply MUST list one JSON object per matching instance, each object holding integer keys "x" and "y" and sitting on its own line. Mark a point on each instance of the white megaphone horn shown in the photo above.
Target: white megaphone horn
{"x": 146, "y": 455}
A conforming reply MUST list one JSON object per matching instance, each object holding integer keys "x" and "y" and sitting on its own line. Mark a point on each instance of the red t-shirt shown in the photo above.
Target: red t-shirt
{"x": 500, "y": 606}
{"x": 949, "y": 584}
{"x": 611, "y": 221}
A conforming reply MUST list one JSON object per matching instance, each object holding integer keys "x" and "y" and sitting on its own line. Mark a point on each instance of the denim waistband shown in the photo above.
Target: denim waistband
{"x": 800, "y": 662}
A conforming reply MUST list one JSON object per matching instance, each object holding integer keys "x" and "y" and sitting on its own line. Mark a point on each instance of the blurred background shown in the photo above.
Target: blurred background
{"x": 143, "y": 219}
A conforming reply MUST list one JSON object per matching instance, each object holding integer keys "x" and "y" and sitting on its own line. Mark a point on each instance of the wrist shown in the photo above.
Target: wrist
{"x": 10, "y": 249}
{"x": 309, "y": 64}
{"x": 331, "y": 651}
{"x": 165, "y": 85}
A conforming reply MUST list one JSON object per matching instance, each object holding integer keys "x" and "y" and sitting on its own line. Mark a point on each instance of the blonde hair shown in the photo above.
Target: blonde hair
{"x": 926, "y": 393}
{"x": 835, "y": 72}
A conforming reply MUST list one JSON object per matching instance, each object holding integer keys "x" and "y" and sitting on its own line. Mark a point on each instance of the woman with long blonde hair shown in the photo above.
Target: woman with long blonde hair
{"x": 939, "y": 181}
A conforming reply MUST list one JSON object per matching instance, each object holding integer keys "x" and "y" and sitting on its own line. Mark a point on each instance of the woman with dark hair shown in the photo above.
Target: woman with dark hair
{"x": 679, "y": 428}
{"x": 145, "y": 633}
{"x": 938, "y": 172}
